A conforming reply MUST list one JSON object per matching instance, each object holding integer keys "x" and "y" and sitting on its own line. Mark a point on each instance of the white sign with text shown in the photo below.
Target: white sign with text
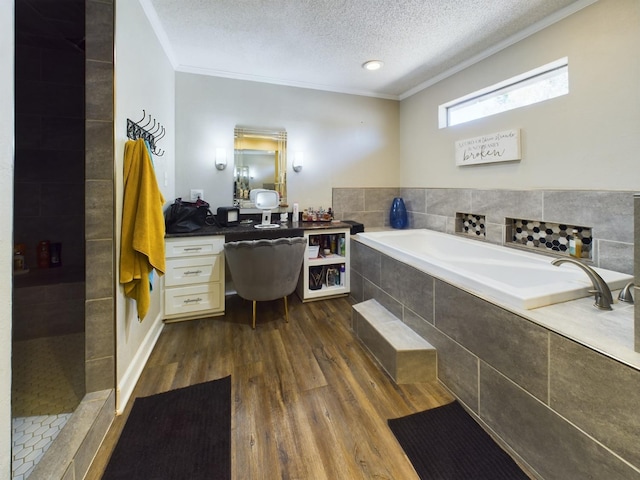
{"x": 494, "y": 147}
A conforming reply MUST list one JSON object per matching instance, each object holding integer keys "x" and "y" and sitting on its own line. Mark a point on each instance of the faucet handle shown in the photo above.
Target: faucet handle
{"x": 625, "y": 294}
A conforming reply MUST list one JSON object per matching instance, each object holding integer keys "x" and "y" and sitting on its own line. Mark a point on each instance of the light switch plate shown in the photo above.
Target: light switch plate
{"x": 197, "y": 194}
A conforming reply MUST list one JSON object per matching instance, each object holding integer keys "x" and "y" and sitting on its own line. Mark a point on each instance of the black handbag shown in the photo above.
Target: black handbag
{"x": 185, "y": 217}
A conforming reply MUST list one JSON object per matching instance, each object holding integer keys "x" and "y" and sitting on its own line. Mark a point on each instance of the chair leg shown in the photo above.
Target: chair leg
{"x": 254, "y": 314}
{"x": 286, "y": 310}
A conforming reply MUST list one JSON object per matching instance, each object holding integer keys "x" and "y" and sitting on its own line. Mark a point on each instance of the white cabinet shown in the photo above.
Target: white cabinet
{"x": 325, "y": 270}
{"x": 193, "y": 285}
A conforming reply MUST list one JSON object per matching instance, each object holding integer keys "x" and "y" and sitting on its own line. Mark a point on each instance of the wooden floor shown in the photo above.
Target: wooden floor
{"x": 308, "y": 401}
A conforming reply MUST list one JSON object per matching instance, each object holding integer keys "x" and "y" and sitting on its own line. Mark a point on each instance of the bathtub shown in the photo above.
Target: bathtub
{"x": 509, "y": 276}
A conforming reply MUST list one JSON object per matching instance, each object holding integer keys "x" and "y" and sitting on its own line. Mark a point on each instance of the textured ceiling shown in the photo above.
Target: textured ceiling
{"x": 323, "y": 43}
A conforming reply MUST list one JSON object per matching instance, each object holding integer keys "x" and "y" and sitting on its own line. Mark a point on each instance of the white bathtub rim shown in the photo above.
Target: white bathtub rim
{"x": 571, "y": 284}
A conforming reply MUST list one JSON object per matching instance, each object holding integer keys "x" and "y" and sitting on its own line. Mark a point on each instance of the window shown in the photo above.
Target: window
{"x": 543, "y": 83}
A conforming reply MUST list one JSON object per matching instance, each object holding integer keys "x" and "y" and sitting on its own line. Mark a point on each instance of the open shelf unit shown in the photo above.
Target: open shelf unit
{"x": 327, "y": 274}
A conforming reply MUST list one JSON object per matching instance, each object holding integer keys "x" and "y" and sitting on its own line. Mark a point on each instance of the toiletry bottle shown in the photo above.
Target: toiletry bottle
{"x": 19, "y": 264}
{"x": 43, "y": 254}
{"x": 332, "y": 274}
{"x": 575, "y": 245}
{"x": 55, "y": 254}
{"x": 343, "y": 273}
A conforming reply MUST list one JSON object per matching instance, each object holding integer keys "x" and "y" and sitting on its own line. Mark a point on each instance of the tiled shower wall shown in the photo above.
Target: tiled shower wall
{"x": 49, "y": 167}
{"x": 49, "y": 103}
{"x": 71, "y": 453}
{"x": 609, "y": 214}
{"x": 99, "y": 201}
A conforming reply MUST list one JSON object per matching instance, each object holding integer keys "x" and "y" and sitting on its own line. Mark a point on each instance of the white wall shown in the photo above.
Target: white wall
{"x": 144, "y": 80}
{"x": 348, "y": 141}
{"x": 6, "y": 233}
{"x": 588, "y": 139}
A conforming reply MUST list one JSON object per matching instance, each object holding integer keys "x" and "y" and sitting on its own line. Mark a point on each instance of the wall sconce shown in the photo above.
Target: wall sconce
{"x": 221, "y": 158}
{"x": 298, "y": 161}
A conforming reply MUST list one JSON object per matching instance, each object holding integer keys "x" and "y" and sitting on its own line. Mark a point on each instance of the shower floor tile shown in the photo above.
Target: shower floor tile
{"x": 32, "y": 436}
{"x": 47, "y": 386}
{"x": 47, "y": 375}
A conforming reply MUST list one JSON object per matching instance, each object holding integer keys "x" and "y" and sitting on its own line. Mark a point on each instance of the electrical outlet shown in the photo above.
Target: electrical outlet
{"x": 197, "y": 194}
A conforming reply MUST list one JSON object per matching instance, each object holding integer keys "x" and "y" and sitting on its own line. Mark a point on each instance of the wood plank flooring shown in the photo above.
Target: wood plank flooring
{"x": 309, "y": 402}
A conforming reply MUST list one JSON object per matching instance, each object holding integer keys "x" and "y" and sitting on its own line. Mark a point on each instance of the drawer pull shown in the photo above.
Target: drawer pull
{"x": 192, "y": 300}
{"x": 193, "y": 272}
{"x": 192, "y": 249}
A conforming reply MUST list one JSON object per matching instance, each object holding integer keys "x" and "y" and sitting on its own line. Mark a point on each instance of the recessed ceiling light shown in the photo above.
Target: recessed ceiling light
{"x": 372, "y": 65}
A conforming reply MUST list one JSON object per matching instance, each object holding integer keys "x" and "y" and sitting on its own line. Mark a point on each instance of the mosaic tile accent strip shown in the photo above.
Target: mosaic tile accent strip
{"x": 550, "y": 236}
{"x": 472, "y": 225}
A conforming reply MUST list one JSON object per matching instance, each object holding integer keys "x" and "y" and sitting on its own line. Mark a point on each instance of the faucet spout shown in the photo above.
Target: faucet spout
{"x": 625, "y": 294}
{"x": 603, "y": 297}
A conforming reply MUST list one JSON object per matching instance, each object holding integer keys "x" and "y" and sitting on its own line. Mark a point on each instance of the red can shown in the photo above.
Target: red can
{"x": 43, "y": 254}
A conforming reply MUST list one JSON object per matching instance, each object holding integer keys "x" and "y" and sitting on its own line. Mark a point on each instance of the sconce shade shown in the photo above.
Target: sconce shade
{"x": 298, "y": 161}
{"x": 221, "y": 158}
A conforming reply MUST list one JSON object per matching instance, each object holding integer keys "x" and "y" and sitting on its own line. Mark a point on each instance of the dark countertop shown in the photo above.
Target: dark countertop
{"x": 249, "y": 232}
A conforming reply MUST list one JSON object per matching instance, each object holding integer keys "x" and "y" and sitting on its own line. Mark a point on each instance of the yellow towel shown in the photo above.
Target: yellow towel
{"x": 142, "y": 236}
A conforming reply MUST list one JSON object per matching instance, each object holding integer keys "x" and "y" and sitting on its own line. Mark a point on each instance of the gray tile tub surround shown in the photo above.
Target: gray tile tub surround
{"x": 545, "y": 396}
{"x": 636, "y": 236}
{"x": 408, "y": 285}
{"x": 597, "y": 394}
{"x": 546, "y": 441}
{"x": 457, "y": 367}
{"x": 369, "y": 206}
{"x": 389, "y": 282}
{"x": 366, "y": 261}
{"x": 609, "y": 213}
{"x": 514, "y": 346}
{"x": 636, "y": 269}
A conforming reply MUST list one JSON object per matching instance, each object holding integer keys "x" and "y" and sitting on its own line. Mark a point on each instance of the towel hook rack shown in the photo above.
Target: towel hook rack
{"x": 144, "y": 115}
{"x": 136, "y": 131}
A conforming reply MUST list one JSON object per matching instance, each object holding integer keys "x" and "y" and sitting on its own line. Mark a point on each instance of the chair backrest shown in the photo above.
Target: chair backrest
{"x": 265, "y": 269}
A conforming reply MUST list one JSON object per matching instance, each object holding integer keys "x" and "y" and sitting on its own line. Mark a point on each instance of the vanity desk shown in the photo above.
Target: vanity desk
{"x": 194, "y": 284}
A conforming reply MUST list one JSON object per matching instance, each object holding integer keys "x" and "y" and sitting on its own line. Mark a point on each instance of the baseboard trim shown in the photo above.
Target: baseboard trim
{"x": 131, "y": 376}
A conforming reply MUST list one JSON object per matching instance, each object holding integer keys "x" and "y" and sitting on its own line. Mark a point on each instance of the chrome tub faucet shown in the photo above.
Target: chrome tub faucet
{"x": 603, "y": 297}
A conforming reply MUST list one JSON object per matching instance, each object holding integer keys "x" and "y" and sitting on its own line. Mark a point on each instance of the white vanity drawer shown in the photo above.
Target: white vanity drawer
{"x": 186, "y": 271}
{"x": 197, "y": 298}
{"x": 192, "y": 246}
{"x": 193, "y": 284}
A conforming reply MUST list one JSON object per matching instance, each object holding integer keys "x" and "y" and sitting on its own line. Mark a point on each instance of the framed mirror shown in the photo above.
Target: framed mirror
{"x": 260, "y": 161}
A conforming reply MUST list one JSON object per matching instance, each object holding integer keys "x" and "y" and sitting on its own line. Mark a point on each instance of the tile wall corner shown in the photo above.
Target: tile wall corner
{"x": 636, "y": 268}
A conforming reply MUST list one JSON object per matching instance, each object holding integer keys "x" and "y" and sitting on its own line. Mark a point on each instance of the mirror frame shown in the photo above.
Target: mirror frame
{"x": 259, "y": 139}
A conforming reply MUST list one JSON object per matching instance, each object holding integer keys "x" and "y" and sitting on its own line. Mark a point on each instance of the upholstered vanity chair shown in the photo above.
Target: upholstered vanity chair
{"x": 265, "y": 269}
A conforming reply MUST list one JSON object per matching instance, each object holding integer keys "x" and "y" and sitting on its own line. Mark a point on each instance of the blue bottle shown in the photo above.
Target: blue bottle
{"x": 398, "y": 214}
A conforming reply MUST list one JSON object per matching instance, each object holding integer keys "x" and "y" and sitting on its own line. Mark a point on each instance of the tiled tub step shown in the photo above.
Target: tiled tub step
{"x": 404, "y": 354}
